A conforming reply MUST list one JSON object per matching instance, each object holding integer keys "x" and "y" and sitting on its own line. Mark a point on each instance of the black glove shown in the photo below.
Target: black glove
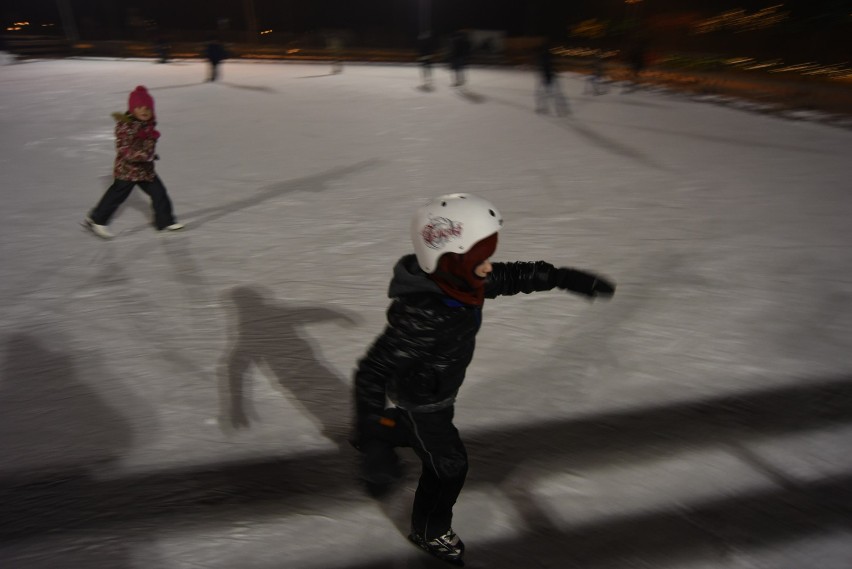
{"x": 376, "y": 438}
{"x": 587, "y": 284}
{"x": 379, "y": 465}
{"x": 384, "y": 428}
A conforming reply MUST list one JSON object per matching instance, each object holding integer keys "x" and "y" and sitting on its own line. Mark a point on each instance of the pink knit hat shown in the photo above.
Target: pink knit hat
{"x": 140, "y": 98}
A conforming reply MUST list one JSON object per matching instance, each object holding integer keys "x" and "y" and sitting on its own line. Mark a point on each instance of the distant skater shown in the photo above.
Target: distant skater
{"x": 163, "y": 48}
{"x": 459, "y": 54}
{"x": 426, "y": 57}
{"x": 216, "y": 54}
{"x": 547, "y": 88}
{"x": 637, "y": 62}
{"x": 136, "y": 141}
{"x": 596, "y": 82}
{"x": 335, "y": 48}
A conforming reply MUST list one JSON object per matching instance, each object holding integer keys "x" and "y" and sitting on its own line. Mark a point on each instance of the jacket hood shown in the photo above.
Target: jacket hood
{"x": 129, "y": 118}
{"x": 409, "y": 278}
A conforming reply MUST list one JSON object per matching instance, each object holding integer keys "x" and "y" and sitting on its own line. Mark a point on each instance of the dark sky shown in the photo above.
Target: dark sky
{"x": 515, "y": 16}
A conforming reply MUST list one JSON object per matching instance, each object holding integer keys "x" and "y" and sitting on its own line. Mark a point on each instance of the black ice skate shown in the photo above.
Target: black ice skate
{"x": 448, "y": 547}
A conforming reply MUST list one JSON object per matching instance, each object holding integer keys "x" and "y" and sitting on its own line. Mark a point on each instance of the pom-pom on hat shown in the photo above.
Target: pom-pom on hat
{"x": 140, "y": 98}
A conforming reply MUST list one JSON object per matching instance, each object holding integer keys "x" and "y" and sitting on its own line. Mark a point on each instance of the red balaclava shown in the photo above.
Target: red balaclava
{"x": 455, "y": 275}
{"x": 140, "y": 98}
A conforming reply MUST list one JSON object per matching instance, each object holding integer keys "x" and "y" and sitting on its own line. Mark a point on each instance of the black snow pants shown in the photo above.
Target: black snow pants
{"x": 120, "y": 190}
{"x": 437, "y": 442}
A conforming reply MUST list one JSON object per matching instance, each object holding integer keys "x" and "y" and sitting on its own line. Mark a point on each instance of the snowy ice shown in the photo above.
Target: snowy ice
{"x": 698, "y": 420}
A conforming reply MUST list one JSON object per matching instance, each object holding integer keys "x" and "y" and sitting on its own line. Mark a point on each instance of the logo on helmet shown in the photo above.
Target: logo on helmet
{"x": 439, "y": 231}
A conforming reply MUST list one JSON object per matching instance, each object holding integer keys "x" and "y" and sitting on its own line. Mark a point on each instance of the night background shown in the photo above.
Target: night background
{"x": 802, "y": 29}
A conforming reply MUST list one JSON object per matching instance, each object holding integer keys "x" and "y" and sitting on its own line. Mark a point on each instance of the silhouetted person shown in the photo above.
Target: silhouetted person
{"x": 548, "y": 84}
{"x": 5, "y": 55}
{"x": 163, "y": 48}
{"x": 426, "y": 56}
{"x": 459, "y": 54}
{"x": 216, "y": 54}
{"x": 335, "y": 47}
{"x": 636, "y": 59}
{"x": 595, "y": 82}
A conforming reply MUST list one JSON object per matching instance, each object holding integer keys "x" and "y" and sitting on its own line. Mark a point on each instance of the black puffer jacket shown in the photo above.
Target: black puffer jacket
{"x": 420, "y": 359}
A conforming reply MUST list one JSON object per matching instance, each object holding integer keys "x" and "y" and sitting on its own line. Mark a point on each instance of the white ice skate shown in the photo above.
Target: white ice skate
{"x": 99, "y": 230}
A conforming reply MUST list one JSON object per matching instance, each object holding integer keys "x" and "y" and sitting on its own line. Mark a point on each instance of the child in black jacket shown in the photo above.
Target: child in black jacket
{"x": 418, "y": 363}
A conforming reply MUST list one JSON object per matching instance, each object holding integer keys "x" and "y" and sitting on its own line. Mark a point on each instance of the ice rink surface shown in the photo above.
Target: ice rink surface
{"x": 181, "y": 401}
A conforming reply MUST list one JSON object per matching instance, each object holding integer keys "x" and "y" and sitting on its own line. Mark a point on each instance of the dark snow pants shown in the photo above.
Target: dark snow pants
{"x": 437, "y": 442}
{"x": 120, "y": 190}
{"x": 548, "y": 89}
{"x": 214, "y": 71}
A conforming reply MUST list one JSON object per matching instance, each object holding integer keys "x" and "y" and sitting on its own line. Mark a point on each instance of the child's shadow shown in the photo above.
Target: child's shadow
{"x": 268, "y": 334}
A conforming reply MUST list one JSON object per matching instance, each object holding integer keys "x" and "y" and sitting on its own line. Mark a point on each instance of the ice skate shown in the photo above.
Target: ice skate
{"x": 99, "y": 230}
{"x": 448, "y": 547}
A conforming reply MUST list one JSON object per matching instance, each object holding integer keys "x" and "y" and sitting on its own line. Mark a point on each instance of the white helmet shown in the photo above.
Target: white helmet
{"x": 452, "y": 223}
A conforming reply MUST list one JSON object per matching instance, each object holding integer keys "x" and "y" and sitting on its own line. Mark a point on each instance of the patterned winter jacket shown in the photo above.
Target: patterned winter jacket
{"x": 135, "y": 142}
{"x": 420, "y": 359}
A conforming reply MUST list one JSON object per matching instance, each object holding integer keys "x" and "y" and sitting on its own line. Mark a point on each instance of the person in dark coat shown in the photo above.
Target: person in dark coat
{"x": 418, "y": 363}
{"x": 548, "y": 87}
{"x": 136, "y": 141}
{"x": 163, "y": 48}
{"x": 334, "y": 43}
{"x": 459, "y": 54}
{"x": 426, "y": 56}
{"x": 637, "y": 60}
{"x": 596, "y": 81}
{"x": 215, "y": 53}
